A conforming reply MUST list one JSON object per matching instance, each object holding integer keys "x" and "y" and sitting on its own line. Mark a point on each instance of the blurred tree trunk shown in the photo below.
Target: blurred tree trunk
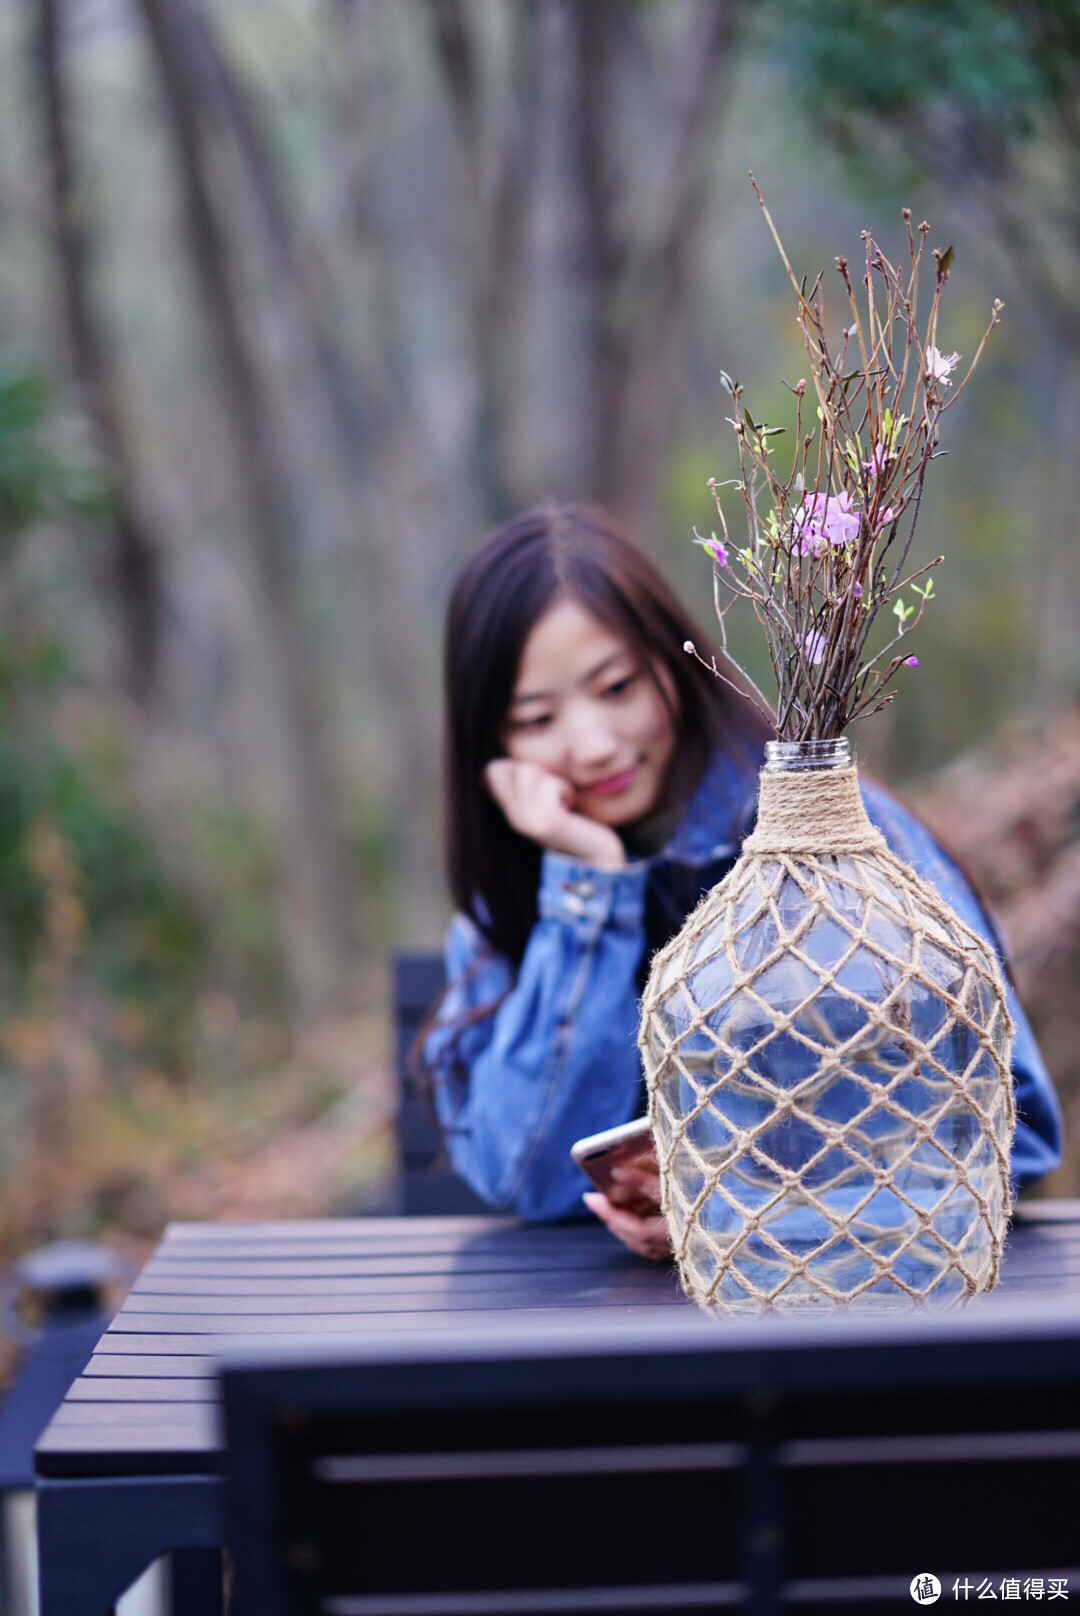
{"x": 495, "y": 136}
{"x": 340, "y": 391}
{"x": 598, "y": 261}
{"x": 544, "y": 403}
{"x": 638, "y": 285}
{"x": 315, "y": 888}
{"x": 416, "y": 499}
{"x": 134, "y": 567}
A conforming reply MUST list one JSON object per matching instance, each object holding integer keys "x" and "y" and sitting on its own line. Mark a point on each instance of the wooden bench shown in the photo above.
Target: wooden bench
{"x": 670, "y": 1464}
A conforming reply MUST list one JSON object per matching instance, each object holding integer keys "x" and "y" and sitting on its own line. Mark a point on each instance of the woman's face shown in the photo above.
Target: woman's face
{"x": 587, "y": 708}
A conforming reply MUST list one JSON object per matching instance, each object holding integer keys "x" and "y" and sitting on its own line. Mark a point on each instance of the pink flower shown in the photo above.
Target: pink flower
{"x": 939, "y": 366}
{"x": 806, "y": 527}
{"x": 841, "y": 520}
{"x": 824, "y": 519}
{"x": 878, "y": 461}
{"x": 911, "y": 662}
{"x": 714, "y": 548}
{"x": 813, "y": 646}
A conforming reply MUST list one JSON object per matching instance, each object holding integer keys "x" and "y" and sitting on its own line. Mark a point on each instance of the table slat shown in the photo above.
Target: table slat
{"x": 273, "y": 1262}
{"x": 441, "y": 1297}
{"x": 141, "y": 1389}
{"x": 164, "y": 1367}
{"x": 153, "y": 1286}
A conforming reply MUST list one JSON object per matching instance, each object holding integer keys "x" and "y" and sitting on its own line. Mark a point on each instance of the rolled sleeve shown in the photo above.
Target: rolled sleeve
{"x": 556, "y": 1058}
{"x": 579, "y": 894}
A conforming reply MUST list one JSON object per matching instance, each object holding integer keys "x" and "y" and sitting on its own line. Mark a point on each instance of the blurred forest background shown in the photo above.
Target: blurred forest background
{"x": 297, "y": 298}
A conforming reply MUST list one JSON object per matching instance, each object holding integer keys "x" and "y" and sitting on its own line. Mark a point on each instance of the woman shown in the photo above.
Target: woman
{"x": 598, "y": 784}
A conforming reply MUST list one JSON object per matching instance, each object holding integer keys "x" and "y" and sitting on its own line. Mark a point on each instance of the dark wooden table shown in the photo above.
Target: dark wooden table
{"x": 130, "y": 1467}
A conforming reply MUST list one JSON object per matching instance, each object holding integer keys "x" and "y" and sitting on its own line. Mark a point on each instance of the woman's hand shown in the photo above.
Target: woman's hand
{"x": 648, "y": 1235}
{"x": 540, "y": 805}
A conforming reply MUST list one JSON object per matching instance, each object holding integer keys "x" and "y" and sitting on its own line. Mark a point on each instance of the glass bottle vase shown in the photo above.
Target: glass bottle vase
{"x": 827, "y": 1045}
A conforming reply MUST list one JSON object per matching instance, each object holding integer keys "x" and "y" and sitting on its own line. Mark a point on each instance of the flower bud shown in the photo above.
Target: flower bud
{"x": 689, "y": 647}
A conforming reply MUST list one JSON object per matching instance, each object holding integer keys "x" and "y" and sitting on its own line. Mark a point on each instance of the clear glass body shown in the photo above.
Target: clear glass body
{"x": 796, "y": 1218}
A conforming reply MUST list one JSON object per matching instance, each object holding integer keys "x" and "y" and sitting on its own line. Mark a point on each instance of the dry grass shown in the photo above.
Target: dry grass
{"x": 114, "y": 1151}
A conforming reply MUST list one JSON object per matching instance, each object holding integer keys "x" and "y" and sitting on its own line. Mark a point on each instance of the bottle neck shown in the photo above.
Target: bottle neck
{"x": 809, "y": 803}
{"x": 789, "y": 757}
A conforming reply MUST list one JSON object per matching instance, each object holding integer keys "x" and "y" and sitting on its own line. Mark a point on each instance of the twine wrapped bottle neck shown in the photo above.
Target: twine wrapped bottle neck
{"x": 810, "y": 802}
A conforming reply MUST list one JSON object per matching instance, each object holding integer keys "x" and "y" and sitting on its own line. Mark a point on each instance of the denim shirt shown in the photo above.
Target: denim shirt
{"x": 557, "y": 1058}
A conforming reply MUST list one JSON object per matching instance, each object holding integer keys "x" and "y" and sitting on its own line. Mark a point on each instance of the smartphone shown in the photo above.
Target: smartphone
{"x": 630, "y": 1145}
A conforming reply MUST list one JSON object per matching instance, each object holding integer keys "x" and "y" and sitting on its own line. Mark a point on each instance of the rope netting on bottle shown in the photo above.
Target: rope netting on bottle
{"x": 826, "y": 1045}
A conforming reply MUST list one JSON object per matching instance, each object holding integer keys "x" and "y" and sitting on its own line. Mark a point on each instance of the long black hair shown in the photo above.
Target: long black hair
{"x": 506, "y": 586}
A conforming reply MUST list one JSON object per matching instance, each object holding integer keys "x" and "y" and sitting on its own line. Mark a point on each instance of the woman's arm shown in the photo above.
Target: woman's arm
{"x": 558, "y": 1058}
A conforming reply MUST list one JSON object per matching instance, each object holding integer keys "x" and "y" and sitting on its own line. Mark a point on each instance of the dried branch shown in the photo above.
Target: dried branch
{"x": 829, "y": 541}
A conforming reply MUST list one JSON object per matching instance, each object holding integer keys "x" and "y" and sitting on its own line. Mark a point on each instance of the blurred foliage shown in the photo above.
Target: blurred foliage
{"x": 141, "y": 937}
{"x": 78, "y": 871}
{"x": 982, "y": 96}
{"x": 144, "y": 1070}
{"x": 46, "y": 469}
{"x": 887, "y": 60}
